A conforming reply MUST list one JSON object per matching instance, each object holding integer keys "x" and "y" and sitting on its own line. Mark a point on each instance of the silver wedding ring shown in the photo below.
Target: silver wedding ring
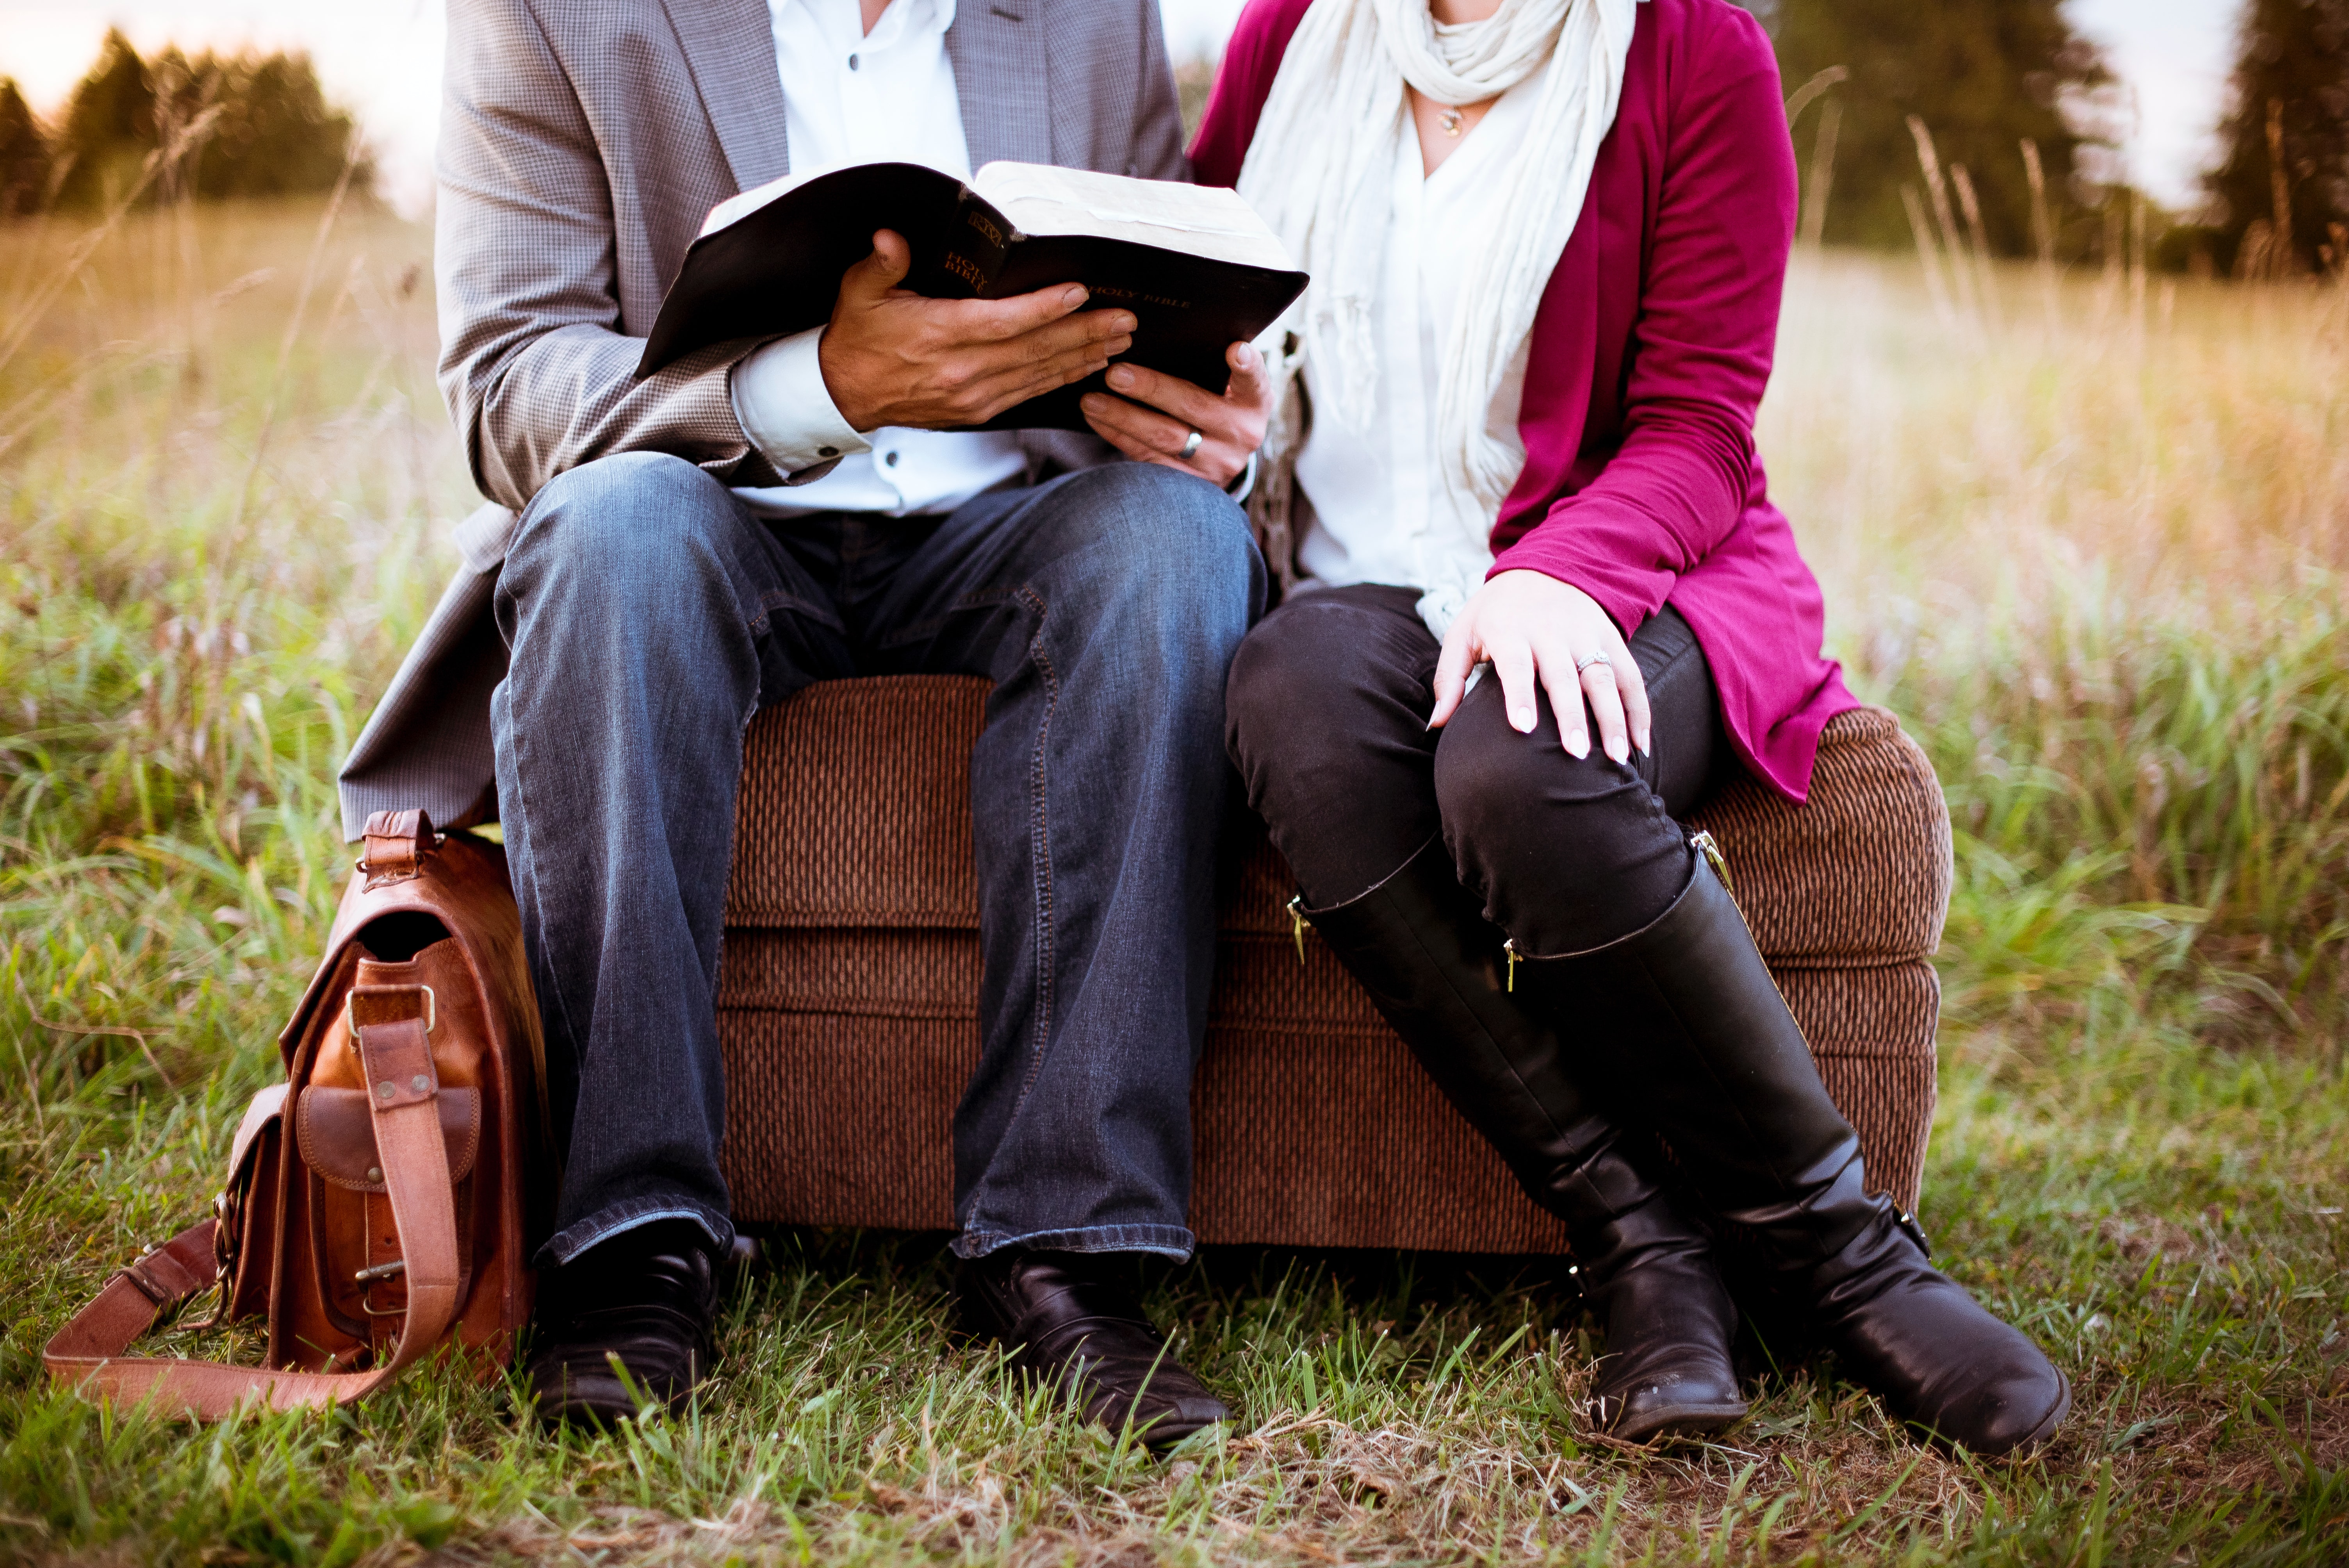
{"x": 1191, "y": 448}
{"x": 1582, "y": 665}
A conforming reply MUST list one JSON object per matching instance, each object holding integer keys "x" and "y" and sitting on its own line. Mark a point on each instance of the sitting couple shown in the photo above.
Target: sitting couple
{"x": 1510, "y": 425}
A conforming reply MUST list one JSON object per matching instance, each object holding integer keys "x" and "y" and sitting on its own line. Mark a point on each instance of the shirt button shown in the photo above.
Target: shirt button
{"x": 851, "y": 62}
{"x": 891, "y": 459}
{"x": 827, "y": 451}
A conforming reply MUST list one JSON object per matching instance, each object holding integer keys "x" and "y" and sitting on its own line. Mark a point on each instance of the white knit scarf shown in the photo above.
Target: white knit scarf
{"x": 1321, "y": 170}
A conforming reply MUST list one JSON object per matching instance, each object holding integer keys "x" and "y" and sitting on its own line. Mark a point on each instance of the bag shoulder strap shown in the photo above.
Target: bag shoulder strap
{"x": 402, "y": 1094}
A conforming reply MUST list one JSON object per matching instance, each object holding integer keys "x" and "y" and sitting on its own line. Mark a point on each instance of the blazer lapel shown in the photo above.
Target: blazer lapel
{"x": 729, "y": 46}
{"x": 997, "y": 47}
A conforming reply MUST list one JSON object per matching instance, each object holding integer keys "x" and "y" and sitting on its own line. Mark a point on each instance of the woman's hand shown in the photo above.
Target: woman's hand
{"x": 1533, "y": 626}
{"x": 1156, "y": 424}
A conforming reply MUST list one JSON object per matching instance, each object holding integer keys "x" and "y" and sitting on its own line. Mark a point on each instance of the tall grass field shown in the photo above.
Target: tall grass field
{"x": 2088, "y": 533}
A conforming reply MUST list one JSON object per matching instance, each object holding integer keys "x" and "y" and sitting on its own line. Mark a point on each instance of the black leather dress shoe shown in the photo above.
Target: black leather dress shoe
{"x": 644, "y": 1301}
{"x": 1069, "y": 1324}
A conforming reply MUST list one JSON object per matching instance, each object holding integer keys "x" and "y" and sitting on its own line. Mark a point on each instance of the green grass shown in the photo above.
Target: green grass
{"x": 2110, "y": 608}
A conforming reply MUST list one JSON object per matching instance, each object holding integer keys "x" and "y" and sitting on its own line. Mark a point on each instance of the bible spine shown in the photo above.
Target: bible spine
{"x": 976, "y": 241}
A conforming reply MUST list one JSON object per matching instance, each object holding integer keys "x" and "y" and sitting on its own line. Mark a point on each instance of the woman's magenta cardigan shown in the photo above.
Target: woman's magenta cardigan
{"x": 1651, "y": 352}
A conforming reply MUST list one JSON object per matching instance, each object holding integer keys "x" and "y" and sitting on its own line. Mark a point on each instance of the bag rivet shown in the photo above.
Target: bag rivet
{"x": 420, "y": 1083}
{"x": 384, "y": 1090}
{"x": 375, "y": 1173}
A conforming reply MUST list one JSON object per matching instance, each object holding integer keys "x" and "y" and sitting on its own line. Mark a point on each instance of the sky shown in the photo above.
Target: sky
{"x": 382, "y": 58}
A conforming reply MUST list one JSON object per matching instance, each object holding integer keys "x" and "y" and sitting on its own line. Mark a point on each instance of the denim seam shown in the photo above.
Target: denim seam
{"x": 528, "y": 872}
{"x": 922, "y": 631}
{"x": 720, "y": 1232}
{"x": 1172, "y": 1240}
{"x": 1040, "y": 848}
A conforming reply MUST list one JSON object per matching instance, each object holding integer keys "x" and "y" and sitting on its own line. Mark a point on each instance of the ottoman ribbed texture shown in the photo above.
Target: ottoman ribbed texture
{"x": 848, "y": 993}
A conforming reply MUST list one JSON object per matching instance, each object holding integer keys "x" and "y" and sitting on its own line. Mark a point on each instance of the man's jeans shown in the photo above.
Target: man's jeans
{"x": 650, "y": 616}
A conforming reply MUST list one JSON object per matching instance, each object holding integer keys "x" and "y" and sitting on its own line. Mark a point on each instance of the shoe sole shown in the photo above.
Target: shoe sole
{"x": 1679, "y": 1421}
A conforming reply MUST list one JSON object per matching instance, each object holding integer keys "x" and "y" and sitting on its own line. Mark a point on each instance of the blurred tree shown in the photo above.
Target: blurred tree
{"x": 109, "y": 127}
{"x": 1984, "y": 76}
{"x": 24, "y": 155}
{"x": 276, "y": 134}
{"x": 261, "y": 124}
{"x": 2291, "y": 98}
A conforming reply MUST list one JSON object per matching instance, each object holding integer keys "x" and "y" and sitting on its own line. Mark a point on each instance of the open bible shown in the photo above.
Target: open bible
{"x": 1196, "y": 266}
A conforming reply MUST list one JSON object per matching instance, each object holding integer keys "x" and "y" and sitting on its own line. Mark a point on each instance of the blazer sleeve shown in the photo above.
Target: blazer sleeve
{"x": 1701, "y": 346}
{"x": 534, "y": 367}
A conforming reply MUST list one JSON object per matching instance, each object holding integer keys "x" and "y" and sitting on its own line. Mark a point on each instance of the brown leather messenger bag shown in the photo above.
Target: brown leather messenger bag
{"x": 384, "y": 1199}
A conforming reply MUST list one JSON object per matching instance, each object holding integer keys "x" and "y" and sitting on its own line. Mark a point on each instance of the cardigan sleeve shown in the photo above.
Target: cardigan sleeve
{"x": 1701, "y": 344}
{"x": 1251, "y": 59}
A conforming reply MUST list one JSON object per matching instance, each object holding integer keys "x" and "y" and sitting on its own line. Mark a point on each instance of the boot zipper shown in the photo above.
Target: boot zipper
{"x": 1296, "y": 925}
{"x": 1711, "y": 847}
{"x": 1509, "y": 947}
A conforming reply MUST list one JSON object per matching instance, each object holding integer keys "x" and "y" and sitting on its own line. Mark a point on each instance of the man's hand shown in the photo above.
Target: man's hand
{"x": 1533, "y": 626}
{"x": 1157, "y": 423}
{"x": 892, "y": 356}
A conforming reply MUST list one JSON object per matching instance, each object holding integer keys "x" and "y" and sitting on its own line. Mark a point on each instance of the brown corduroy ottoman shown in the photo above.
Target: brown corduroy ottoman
{"x": 848, "y": 994}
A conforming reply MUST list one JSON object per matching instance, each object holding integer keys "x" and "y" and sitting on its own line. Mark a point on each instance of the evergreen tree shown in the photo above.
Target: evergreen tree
{"x": 109, "y": 127}
{"x": 1983, "y": 75}
{"x": 2290, "y": 94}
{"x": 266, "y": 126}
{"x": 276, "y": 135}
{"x": 24, "y": 155}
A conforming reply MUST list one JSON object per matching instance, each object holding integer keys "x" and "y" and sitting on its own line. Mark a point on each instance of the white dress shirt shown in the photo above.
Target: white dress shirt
{"x": 1380, "y": 511}
{"x": 851, "y": 98}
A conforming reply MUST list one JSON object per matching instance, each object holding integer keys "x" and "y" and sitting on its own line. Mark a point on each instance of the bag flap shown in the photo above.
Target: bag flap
{"x": 335, "y": 1130}
{"x": 267, "y": 1107}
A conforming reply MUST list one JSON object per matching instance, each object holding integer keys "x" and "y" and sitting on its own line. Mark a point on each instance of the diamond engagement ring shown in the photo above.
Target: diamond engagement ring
{"x": 1582, "y": 665}
{"x": 1191, "y": 448}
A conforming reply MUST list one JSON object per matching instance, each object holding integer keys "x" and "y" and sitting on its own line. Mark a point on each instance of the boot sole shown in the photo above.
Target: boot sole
{"x": 1681, "y": 1421}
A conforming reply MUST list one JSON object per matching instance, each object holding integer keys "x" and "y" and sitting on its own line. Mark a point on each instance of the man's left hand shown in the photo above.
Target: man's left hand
{"x": 1152, "y": 419}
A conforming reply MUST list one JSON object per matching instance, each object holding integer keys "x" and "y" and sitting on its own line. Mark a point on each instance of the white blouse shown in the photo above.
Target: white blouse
{"x": 1381, "y": 510}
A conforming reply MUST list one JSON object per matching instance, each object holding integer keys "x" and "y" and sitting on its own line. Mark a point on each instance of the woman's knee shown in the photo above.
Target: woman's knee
{"x": 1297, "y": 696}
{"x": 1532, "y": 826}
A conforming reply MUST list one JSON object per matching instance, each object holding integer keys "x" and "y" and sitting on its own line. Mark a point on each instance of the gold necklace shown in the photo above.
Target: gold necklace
{"x": 1450, "y": 121}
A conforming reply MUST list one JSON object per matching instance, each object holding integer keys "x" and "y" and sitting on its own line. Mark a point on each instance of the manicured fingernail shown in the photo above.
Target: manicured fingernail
{"x": 1075, "y": 296}
{"x": 1121, "y": 378}
{"x": 1619, "y": 751}
{"x": 1522, "y": 717}
{"x": 1578, "y": 745}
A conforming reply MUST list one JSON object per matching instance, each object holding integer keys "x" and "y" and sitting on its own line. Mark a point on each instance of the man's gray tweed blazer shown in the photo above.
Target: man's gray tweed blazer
{"x": 582, "y": 143}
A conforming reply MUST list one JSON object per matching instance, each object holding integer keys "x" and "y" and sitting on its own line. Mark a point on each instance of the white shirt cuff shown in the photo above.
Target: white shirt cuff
{"x": 785, "y": 409}
{"x": 1241, "y": 485}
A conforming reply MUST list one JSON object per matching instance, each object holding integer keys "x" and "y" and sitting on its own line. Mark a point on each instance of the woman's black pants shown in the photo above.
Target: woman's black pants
{"x": 1326, "y": 716}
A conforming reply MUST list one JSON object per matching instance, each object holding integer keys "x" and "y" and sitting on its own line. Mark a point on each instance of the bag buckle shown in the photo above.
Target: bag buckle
{"x": 351, "y": 1023}
{"x": 367, "y": 1279}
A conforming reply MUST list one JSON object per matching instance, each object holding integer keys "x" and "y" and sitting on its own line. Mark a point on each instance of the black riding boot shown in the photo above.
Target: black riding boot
{"x": 1420, "y": 945}
{"x": 1716, "y": 1062}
